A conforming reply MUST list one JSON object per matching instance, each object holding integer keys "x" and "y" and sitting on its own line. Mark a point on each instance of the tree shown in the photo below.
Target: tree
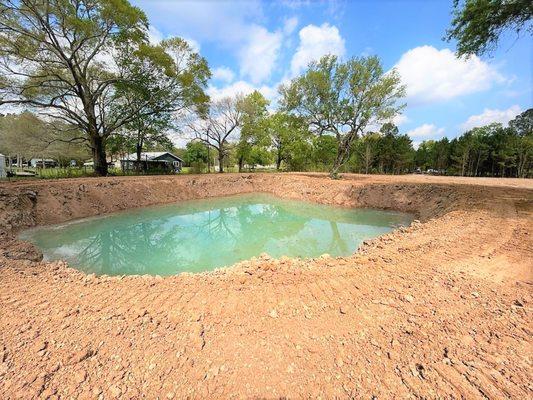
{"x": 366, "y": 150}
{"x": 253, "y": 109}
{"x": 522, "y": 126}
{"x": 196, "y": 155}
{"x": 325, "y": 149}
{"x": 478, "y": 24}
{"x": 26, "y": 136}
{"x": 73, "y": 59}
{"x": 287, "y": 134}
{"x": 219, "y": 126}
{"x": 342, "y": 98}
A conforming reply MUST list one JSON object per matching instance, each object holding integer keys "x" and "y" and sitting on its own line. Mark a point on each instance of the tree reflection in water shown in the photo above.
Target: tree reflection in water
{"x": 202, "y": 235}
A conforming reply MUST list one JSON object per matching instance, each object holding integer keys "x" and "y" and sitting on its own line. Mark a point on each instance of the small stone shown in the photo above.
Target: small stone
{"x": 408, "y": 298}
{"x": 273, "y": 314}
{"x": 475, "y": 294}
{"x": 80, "y": 377}
{"x": 40, "y": 345}
{"x": 339, "y": 362}
{"x": 343, "y": 310}
{"x": 115, "y": 391}
{"x": 3, "y": 368}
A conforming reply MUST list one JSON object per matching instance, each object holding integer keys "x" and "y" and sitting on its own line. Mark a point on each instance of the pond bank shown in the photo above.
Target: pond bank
{"x": 440, "y": 308}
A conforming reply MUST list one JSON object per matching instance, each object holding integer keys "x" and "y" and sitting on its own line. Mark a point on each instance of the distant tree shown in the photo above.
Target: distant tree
{"x": 478, "y": 24}
{"x": 342, "y": 98}
{"x": 325, "y": 149}
{"x": 367, "y": 150}
{"x": 26, "y": 136}
{"x": 196, "y": 155}
{"x": 286, "y": 133}
{"x": 70, "y": 59}
{"x": 522, "y": 126}
{"x": 219, "y": 127}
{"x": 253, "y": 133}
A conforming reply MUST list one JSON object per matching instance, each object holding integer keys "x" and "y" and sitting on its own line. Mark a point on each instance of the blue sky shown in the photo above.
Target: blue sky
{"x": 258, "y": 44}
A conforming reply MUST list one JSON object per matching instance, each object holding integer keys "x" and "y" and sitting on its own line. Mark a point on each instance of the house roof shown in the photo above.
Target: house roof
{"x": 150, "y": 156}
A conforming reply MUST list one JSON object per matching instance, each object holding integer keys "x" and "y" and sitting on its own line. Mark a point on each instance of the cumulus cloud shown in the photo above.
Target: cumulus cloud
{"x": 434, "y": 75}
{"x": 489, "y": 116}
{"x": 426, "y": 131}
{"x": 223, "y": 74}
{"x": 400, "y": 119}
{"x": 259, "y": 54}
{"x": 316, "y": 41}
{"x": 155, "y": 36}
{"x": 290, "y": 25}
{"x": 240, "y": 87}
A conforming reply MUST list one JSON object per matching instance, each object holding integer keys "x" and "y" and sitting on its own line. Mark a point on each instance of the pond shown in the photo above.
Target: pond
{"x": 201, "y": 235}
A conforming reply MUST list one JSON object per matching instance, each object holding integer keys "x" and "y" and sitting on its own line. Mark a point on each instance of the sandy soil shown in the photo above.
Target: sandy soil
{"x": 441, "y": 309}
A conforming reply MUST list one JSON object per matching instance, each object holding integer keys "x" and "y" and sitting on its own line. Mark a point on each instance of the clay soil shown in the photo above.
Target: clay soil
{"x": 440, "y": 309}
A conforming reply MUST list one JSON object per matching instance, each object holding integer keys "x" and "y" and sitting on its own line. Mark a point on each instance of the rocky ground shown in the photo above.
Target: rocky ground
{"x": 440, "y": 309}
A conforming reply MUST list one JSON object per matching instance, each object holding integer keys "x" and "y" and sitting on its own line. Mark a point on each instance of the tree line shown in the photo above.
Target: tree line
{"x": 284, "y": 141}
{"x": 89, "y": 71}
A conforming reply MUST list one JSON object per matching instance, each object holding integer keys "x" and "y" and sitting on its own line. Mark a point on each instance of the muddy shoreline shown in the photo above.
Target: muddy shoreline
{"x": 438, "y": 309}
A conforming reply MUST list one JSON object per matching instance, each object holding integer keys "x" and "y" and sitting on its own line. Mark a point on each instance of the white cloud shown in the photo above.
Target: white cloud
{"x": 223, "y": 74}
{"x": 426, "y": 131}
{"x": 400, "y": 119}
{"x": 489, "y": 116}
{"x": 240, "y": 87}
{"x": 316, "y": 41}
{"x": 259, "y": 54}
{"x": 290, "y": 25}
{"x": 434, "y": 75}
{"x": 155, "y": 36}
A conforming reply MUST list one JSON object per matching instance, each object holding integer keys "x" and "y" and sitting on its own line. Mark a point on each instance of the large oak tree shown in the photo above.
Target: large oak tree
{"x": 72, "y": 60}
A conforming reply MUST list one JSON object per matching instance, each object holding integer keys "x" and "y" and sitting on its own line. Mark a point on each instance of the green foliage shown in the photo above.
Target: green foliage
{"x": 478, "y": 24}
{"x": 88, "y": 63}
{"x": 490, "y": 150}
{"x": 196, "y": 155}
{"x": 253, "y": 141}
{"x": 342, "y": 98}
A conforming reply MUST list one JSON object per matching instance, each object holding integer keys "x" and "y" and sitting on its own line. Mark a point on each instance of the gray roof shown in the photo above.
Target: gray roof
{"x": 150, "y": 156}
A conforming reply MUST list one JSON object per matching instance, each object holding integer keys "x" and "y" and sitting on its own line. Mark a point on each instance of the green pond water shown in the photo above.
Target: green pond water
{"x": 201, "y": 235}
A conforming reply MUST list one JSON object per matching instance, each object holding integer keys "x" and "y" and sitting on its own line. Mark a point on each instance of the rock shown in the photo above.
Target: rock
{"x": 80, "y": 376}
{"x": 273, "y": 314}
{"x": 475, "y": 294}
{"x": 3, "y": 368}
{"x": 40, "y": 345}
{"x": 115, "y": 391}
{"x": 343, "y": 310}
{"x": 408, "y": 298}
{"x": 81, "y": 356}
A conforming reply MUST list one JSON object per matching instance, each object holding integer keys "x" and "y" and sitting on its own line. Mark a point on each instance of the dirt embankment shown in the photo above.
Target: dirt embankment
{"x": 441, "y": 309}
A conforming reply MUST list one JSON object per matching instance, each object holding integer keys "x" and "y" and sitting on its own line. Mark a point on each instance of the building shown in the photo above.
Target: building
{"x": 153, "y": 161}
{"x": 43, "y": 163}
{"x": 2, "y": 166}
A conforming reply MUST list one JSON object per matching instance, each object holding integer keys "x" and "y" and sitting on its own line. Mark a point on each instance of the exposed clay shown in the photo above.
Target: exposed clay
{"x": 440, "y": 309}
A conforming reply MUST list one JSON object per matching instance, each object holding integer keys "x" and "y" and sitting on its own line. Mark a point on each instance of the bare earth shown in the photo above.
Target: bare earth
{"x": 441, "y": 309}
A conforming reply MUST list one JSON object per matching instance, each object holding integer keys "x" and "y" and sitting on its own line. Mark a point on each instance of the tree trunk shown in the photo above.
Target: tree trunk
{"x": 220, "y": 161}
{"x": 342, "y": 156}
{"x": 278, "y": 162}
{"x": 241, "y": 163}
{"x": 99, "y": 156}
{"x": 138, "y": 149}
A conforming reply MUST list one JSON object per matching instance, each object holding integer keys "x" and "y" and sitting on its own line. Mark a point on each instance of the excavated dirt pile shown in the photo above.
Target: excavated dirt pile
{"x": 439, "y": 309}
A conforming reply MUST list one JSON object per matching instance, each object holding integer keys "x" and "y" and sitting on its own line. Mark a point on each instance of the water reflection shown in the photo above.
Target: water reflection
{"x": 202, "y": 235}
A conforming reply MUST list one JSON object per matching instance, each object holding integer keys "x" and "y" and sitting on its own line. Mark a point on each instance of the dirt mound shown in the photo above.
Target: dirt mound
{"x": 439, "y": 309}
